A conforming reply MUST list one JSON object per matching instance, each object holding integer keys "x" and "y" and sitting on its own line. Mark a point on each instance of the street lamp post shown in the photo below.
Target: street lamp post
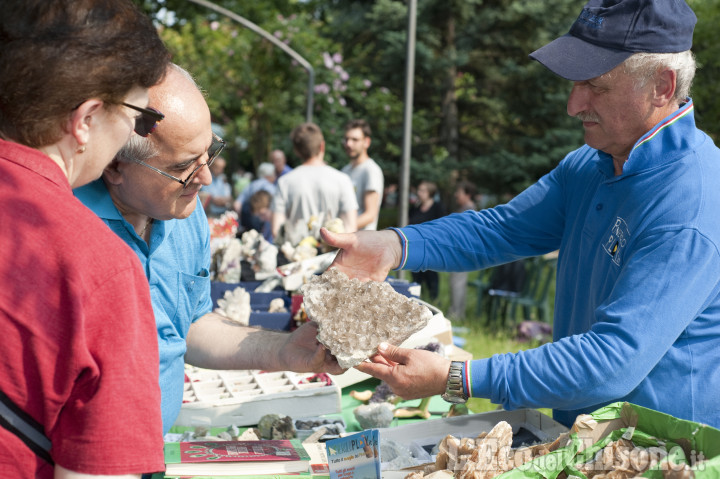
{"x": 295, "y": 55}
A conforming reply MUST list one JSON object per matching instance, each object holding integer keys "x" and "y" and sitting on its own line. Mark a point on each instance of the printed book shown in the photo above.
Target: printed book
{"x": 356, "y": 456}
{"x": 318, "y": 459}
{"x": 229, "y": 458}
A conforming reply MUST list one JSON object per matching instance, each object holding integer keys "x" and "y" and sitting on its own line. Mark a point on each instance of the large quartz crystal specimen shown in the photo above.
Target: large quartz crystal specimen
{"x": 354, "y": 317}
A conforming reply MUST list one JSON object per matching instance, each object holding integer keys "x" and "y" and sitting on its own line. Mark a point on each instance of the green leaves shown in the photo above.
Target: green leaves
{"x": 482, "y": 109}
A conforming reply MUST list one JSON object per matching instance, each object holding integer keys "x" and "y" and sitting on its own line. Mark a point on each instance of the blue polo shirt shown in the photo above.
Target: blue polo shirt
{"x": 637, "y": 305}
{"x": 177, "y": 266}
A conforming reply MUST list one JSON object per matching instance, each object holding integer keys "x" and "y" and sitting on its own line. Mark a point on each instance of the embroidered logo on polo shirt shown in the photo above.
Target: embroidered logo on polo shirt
{"x": 616, "y": 240}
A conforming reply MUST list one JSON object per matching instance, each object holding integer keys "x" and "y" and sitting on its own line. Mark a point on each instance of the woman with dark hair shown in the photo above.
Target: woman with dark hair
{"x": 426, "y": 208}
{"x": 79, "y": 363}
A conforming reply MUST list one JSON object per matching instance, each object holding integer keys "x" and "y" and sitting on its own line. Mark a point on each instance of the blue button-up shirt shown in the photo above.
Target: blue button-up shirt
{"x": 176, "y": 263}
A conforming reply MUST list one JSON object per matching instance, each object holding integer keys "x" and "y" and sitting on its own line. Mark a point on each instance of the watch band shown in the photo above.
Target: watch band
{"x": 454, "y": 391}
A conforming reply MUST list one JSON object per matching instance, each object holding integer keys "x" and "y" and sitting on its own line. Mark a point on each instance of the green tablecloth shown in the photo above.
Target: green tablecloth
{"x": 438, "y": 407}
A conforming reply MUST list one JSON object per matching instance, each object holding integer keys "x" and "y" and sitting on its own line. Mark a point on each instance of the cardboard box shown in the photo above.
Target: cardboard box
{"x": 525, "y": 423}
{"x": 455, "y": 353}
{"x": 528, "y": 426}
{"x": 681, "y": 439}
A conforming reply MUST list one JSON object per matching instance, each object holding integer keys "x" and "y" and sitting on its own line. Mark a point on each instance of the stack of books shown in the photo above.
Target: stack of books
{"x": 236, "y": 458}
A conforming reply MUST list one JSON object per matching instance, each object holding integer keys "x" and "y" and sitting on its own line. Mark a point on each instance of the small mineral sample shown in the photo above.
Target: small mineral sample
{"x": 235, "y": 305}
{"x": 276, "y": 426}
{"x": 354, "y": 317}
{"x": 371, "y": 416}
{"x": 277, "y": 305}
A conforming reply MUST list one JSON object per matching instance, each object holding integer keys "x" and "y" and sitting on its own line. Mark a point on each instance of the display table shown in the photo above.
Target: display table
{"x": 437, "y": 408}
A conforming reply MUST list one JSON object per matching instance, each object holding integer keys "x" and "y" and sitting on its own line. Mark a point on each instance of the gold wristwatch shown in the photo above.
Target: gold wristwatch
{"x": 454, "y": 392}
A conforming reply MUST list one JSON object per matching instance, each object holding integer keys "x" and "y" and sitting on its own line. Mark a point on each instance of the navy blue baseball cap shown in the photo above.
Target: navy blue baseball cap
{"x": 607, "y": 32}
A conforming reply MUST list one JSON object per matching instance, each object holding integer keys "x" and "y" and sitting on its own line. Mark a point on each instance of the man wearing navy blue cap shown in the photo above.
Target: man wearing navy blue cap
{"x": 634, "y": 215}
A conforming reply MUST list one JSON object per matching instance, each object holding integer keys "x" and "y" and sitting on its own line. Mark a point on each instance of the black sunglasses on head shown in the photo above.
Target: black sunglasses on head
{"x": 146, "y": 123}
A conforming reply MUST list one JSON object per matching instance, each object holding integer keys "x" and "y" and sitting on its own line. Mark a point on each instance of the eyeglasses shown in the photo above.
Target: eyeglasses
{"x": 146, "y": 123}
{"x": 217, "y": 146}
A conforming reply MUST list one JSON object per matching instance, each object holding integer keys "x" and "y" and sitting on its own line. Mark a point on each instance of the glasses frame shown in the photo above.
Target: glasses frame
{"x": 152, "y": 113}
{"x": 211, "y": 158}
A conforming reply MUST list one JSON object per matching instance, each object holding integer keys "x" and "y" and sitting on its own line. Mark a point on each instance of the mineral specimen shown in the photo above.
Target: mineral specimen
{"x": 277, "y": 305}
{"x": 354, "y": 317}
{"x": 276, "y": 426}
{"x": 235, "y": 305}
{"x": 370, "y": 416}
{"x": 483, "y": 457}
{"x": 622, "y": 459}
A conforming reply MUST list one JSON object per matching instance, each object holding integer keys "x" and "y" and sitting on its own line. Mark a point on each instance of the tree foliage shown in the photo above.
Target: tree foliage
{"x": 705, "y": 91}
{"x": 483, "y": 110}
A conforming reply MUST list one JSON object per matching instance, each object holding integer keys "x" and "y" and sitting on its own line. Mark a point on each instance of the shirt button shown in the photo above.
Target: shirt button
{"x": 599, "y": 206}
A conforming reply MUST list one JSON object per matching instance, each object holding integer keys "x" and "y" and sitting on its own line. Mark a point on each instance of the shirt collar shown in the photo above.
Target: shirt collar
{"x": 96, "y": 197}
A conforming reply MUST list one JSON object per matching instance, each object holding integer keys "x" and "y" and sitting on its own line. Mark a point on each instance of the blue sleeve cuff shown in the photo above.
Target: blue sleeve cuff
{"x": 476, "y": 378}
{"x": 403, "y": 247}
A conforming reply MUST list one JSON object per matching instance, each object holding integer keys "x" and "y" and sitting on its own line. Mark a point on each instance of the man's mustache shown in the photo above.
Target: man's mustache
{"x": 587, "y": 116}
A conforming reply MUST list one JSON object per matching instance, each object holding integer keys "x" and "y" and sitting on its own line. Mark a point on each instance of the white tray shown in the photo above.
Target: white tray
{"x": 223, "y": 398}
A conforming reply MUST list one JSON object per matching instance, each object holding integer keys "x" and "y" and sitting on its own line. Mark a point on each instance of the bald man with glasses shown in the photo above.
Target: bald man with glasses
{"x": 148, "y": 196}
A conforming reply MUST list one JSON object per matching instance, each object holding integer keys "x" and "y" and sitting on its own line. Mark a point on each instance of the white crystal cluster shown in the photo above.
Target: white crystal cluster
{"x": 253, "y": 248}
{"x": 354, "y": 317}
{"x": 301, "y": 232}
{"x": 235, "y": 305}
{"x": 277, "y": 305}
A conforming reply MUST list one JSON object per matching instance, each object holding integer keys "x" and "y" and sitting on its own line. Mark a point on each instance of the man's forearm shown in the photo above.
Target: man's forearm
{"x": 215, "y": 342}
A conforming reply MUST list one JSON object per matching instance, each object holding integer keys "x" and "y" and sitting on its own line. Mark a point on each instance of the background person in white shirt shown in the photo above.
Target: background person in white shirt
{"x": 366, "y": 175}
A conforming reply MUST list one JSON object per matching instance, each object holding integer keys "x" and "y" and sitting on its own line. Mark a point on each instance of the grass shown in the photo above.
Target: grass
{"x": 480, "y": 340}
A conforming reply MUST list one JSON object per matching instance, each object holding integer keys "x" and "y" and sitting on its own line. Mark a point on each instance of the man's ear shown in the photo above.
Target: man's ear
{"x": 113, "y": 172}
{"x": 665, "y": 85}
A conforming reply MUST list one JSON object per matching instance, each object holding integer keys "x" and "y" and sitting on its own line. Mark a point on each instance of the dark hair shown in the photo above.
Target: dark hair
{"x": 259, "y": 200}
{"x": 431, "y": 187}
{"x": 307, "y": 140}
{"x": 56, "y": 54}
{"x": 469, "y": 188}
{"x": 362, "y": 124}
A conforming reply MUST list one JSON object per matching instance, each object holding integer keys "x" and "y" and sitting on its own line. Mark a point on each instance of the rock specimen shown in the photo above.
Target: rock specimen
{"x": 276, "y": 426}
{"x": 374, "y": 415}
{"x": 354, "y": 317}
{"x": 235, "y": 305}
{"x": 483, "y": 457}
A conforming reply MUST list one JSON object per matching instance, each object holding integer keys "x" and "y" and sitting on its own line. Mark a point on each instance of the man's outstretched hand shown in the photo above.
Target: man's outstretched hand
{"x": 410, "y": 373}
{"x": 366, "y": 255}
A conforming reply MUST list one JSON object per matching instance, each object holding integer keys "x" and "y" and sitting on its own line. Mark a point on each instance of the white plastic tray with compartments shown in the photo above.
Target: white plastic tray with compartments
{"x": 223, "y": 398}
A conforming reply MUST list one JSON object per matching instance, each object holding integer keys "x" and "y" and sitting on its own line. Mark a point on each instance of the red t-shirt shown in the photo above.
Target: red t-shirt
{"x": 78, "y": 346}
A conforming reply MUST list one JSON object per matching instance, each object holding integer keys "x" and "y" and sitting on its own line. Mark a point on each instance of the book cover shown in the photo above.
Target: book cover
{"x": 264, "y": 457}
{"x": 318, "y": 459}
{"x": 356, "y": 456}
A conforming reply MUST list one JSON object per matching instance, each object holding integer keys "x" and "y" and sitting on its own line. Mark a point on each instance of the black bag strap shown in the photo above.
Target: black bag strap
{"x": 25, "y": 427}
